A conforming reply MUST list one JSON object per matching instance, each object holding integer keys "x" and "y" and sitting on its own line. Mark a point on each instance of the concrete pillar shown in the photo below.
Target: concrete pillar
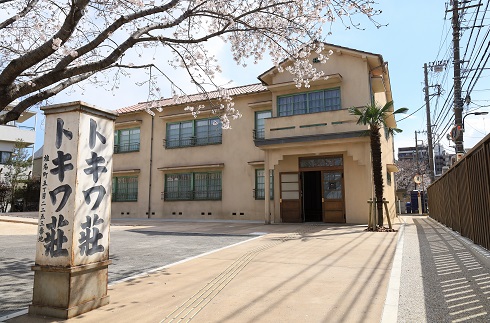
{"x": 72, "y": 249}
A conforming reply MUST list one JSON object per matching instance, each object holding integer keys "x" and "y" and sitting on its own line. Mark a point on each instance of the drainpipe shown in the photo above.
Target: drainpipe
{"x": 151, "y": 166}
{"x": 371, "y": 93}
{"x": 267, "y": 189}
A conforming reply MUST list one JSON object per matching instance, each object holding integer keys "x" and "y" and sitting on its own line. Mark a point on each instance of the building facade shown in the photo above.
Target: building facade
{"x": 296, "y": 155}
{"x": 410, "y": 153}
{"x": 12, "y": 132}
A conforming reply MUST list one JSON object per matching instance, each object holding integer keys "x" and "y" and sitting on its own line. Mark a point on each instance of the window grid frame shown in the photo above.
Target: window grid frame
{"x": 259, "y": 193}
{"x": 194, "y": 140}
{"x": 260, "y": 133}
{"x": 5, "y": 160}
{"x": 211, "y": 192}
{"x": 308, "y": 102}
{"x": 124, "y": 194}
{"x": 131, "y": 146}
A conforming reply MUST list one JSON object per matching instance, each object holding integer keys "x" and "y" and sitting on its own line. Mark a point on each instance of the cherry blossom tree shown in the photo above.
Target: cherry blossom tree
{"x": 47, "y": 46}
{"x": 408, "y": 168}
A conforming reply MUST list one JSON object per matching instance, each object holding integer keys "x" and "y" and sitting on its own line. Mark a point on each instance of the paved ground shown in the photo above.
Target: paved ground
{"x": 294, "y": 273}
{"x": 310, "y": 273}
{"x": 133, "y": 250}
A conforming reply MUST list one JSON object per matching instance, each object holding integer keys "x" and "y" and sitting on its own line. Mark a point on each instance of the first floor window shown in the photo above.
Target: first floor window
{"x": 193, "y": 186}
{"x": 125, "y": 189}
{"x": 260, "y": 184}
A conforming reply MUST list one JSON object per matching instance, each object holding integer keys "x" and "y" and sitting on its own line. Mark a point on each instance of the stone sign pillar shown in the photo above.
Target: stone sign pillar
{"x": 72, "y": 250}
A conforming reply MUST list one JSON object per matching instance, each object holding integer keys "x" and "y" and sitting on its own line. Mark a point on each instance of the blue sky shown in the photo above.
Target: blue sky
{"x": 416, "y": 33}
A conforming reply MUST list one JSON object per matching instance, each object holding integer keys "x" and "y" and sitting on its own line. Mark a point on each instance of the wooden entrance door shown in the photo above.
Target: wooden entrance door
{"x": 290, "y": 198}
{"x": 333, "y": 197}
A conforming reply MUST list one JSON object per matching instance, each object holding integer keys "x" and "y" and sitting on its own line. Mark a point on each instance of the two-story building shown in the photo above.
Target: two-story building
{"x": 296, "y": 155}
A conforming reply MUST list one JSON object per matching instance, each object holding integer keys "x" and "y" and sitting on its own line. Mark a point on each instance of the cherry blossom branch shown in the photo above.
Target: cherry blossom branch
{"x": 30, "y": 5}
{"x": 14, "y": 113}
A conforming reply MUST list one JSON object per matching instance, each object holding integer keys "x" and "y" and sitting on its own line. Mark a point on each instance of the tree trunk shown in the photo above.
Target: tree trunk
{"x": 377, "y": 172}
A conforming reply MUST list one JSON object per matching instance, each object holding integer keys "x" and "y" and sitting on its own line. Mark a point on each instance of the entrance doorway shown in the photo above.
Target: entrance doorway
{"x": 312, "y": 196}
{"x": 315, "y": 193}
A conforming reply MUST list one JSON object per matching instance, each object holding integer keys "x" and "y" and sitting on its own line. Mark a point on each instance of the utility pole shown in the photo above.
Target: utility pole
{"x": 458, "y": 104}
{"x": 417, "y": 157}
{"x": 429, "y": 126}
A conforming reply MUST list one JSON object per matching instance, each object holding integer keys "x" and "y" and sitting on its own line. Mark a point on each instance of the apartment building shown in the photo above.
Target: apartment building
{"x": 296, "y": 155}
{"x": 10, "y": 133}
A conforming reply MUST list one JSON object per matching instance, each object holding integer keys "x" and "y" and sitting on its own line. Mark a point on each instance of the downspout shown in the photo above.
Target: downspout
{"x": 151, "y": 166}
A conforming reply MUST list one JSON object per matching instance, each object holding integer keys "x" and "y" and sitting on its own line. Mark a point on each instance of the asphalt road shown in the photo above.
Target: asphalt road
{"x": 133, "y": 250}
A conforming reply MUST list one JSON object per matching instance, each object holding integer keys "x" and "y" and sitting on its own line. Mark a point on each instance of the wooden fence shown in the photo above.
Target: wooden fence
{"x": 460, "y": 199}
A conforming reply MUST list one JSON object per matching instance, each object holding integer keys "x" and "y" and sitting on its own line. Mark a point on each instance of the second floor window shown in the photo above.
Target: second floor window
{"x": 310, "y": 102}
{"x": 5, "y": 156}
{"x": 193, "y": 133}
{"x": 126, "y": 140}
{"x": 260, "y": 116}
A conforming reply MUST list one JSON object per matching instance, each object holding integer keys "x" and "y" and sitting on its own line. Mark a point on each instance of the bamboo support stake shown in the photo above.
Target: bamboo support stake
{"x": 385, "y": 202}
{"x": 370, "y": 218}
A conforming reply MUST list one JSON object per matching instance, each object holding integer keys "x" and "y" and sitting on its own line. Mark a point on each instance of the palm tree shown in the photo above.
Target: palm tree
{"x": 375, "y": 117}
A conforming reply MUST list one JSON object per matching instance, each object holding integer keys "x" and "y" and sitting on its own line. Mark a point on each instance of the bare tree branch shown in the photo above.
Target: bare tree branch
{"x": 21, "y": 14}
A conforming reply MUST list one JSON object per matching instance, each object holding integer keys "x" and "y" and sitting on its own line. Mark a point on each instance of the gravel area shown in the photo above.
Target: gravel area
{"x": 441, "y": 280}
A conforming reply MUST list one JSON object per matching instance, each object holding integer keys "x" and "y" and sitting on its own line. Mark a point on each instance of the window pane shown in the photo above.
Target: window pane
{"x": 200, "y": 186}
{"x": 202, "y": 128}
{"x": 299, "y": 104}
{"x": 285, "y": 106}
{"x": 214, "y": 186}
{"x": 127, "y": 140}
{"x": 315, "y": 102}
{"x": 332, "y": 184}
{"x": 173, "y": 131}
{"x": 4, "y": 156}
{"x": 325, "y": 100}
{"x": 215, "y": 131}
{"x": 271, "y": 183}
{"x": 259, "y": 184}
{"x": 260, "y": 123}
{"x": 178, "y": 187}
{"x": 208, "y": 131}
{"x": 186, "y": 134}
{"x": 125, "y": 188}
{"x": 332, "y": 99}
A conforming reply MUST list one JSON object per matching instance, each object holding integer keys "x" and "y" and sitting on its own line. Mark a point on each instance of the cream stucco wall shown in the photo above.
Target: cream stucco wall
{"x": 134, "y": 164}
{"x": 235, "y": 152}
{"x": 237, "y": 157}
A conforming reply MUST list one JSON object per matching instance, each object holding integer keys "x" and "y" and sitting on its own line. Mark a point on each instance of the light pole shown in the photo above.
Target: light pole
{"x": 476, "y": 114}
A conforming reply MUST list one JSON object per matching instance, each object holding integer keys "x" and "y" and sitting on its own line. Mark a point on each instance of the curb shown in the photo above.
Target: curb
{"x": 390, "y": 309}
{"x": 13, "y": 220}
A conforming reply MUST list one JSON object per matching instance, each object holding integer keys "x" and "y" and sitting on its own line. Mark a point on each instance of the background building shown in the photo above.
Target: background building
{"x": 12, "y": 132}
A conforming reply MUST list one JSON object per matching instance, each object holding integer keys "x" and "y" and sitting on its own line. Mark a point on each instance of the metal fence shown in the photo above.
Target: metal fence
{"x": 460, "y": 199}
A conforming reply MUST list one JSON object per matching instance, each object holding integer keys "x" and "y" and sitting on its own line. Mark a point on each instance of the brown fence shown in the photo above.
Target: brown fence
{"x": 460, "y": 199}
